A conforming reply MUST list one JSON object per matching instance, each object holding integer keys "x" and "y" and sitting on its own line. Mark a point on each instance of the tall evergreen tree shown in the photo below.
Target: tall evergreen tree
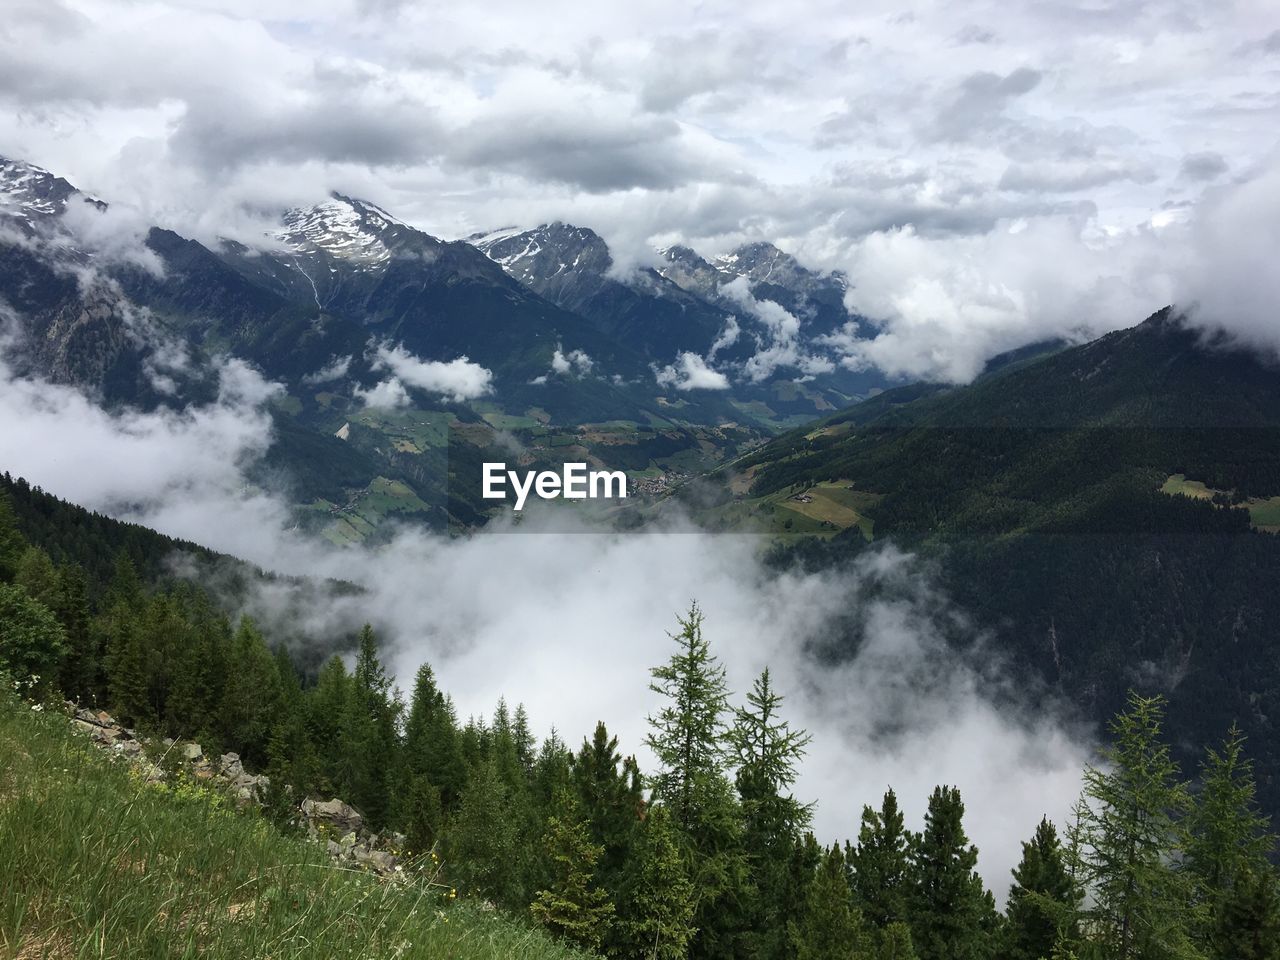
{"x": 572, "y": 905}
{"x": 1247, "y": 923}
{"x": 687, "y": 736}
{"x": 1228, "y": 836}
{"x": 12, "y": 543}
{"x": 1227, "y": 833}
{"x": 951, "y": 913}
{"x": 481, "y": 841}
{"x": 1044, "y": 900}
{"x": 31, "y": 639}
{"x": 829, "y": 927}
{"x": 656, "y": 919}
{"x": 1128, "y": 837}
{"x": 251, "y": 696}
{"x": 880, "y": 863}
{"x": 766, "y": 751}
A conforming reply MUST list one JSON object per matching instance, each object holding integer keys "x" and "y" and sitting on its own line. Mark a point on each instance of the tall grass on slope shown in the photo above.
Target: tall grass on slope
{"x": 94, "y": 863}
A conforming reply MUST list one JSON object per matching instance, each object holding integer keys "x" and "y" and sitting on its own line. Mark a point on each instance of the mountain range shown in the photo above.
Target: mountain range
{"x": 401, "y": 352}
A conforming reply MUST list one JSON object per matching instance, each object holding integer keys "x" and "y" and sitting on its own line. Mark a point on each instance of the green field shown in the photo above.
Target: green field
{"x": 1264, "y": 512}
{"x": 96, "y": 863}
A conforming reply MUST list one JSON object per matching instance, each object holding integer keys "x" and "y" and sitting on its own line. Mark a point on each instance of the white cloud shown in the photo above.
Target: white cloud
{"x": 781, "y": 345}
{"x": 565, "y": 363}
{"x": 690, "y": 372}
{"x": 458, "y": 379}
{"x": 336, "y": 369}
{"x": 384, "y": 395}
{"x": 727, "y": 337}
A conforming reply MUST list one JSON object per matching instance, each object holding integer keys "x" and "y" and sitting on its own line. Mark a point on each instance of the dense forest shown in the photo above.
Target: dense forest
{"x": 709, "y": 854}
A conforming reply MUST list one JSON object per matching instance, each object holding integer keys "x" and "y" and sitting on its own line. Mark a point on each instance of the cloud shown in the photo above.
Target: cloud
{"x": 334, "y": 370}
{"x": 690, "y": 372}
{"x": 780, "y": 346}
{"x": 564, "y": 364}
{"x": 726, "y": 338}
{"x": 384, "y": 395}
{"x": 1207, "y": 165}
{"x": 978, "y": 104}
{"x": 457, "y": 379}
{"x": 946, "y": 305}
{"x": 900, "y": 706}
{"x": 1228, "y": 277}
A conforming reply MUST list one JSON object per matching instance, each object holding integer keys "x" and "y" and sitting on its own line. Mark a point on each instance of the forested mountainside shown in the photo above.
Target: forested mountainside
{"x": 1108, "y": 511}
{"x": 706, "y": 855}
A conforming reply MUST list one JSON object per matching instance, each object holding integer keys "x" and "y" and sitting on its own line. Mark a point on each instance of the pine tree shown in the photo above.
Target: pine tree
{"x": 251, "y": 697}
{"x": 12, "y": 543}
{"x": 951, "y": 913}
{"x": 572, "y": 906}
{"x": 369, "y": 734}
{"x": 1227, "y": 835}
{"x": 1247, "y": 924}
{"x": 31, "y": 639}
{"x": 830, "y": 926}
{"x": 1043, "y": 900}
{"x": 37, "y": 575}
{"x": 880, "y": 864}
{"x": 81, "y": 668}
{"x": 609, "y": 794}
{"x": 481, "y": 842}
{"x": 657, "y": 913}
{"x": 687, "y": 737}
{"x": 1127, "y": 837}
{"x": 766, "y": 751}
{"x": 894, "y": 943}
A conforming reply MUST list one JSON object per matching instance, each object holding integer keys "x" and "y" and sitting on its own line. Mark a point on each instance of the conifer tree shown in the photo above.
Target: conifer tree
{"x": 766, "y": 751}
{"x": 1043, "y": 900}
{"x": 369, "y": 734}
{"x": 251, "y": 696}
{"x": 572, "y": 905}
{"x": 880, "y": 864}
{"x": 830, "y": 926}
{"x": 894, "y": 942}
{"x": 79, "y": 674}
{"x": 1127, "y": 837}
{"x": 657, "y": 913}
{"x": 1227, "y": 835}
{"x": 481, "y": 839}
{"x": 951, "y": 913}
{"x": 609, "y": 794}
{"x": 37, "y": 575}
{"x": 687, "y": 736}
{"x": 1247, "y": 922}
{"x": 31, "y": 639}
{"x": 12, "y": 543}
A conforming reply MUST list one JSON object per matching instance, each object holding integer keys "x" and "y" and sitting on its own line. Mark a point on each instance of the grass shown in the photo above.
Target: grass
{"x": 95, "y": 863}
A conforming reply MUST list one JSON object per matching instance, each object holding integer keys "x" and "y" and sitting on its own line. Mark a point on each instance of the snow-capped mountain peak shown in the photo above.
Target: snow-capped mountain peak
{"x": 546, "y": 252}
{"x": 30, "y": 194}
{"x": 344, "y": 228}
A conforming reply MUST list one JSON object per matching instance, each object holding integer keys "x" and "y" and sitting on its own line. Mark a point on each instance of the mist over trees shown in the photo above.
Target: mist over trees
{"x": 707, "y": 855}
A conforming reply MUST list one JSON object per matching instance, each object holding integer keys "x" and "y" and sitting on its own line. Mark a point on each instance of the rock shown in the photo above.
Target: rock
{"x": 87, "y": 716}
{"x": 341, "y": 816}
{"x": 377, "y": 860}
{"x": 150, "y": 772}
{"x": 130, "y": 748}
{"x": 229, "y": 766}
{"x": 192, "y": 752}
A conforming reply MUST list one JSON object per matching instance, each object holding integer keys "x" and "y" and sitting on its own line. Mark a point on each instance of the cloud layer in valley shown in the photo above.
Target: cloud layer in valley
{"x": 532, "y": 613}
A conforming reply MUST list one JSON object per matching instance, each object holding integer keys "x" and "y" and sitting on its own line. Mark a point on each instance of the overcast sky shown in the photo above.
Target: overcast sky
{"x": 952, "y": 155}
